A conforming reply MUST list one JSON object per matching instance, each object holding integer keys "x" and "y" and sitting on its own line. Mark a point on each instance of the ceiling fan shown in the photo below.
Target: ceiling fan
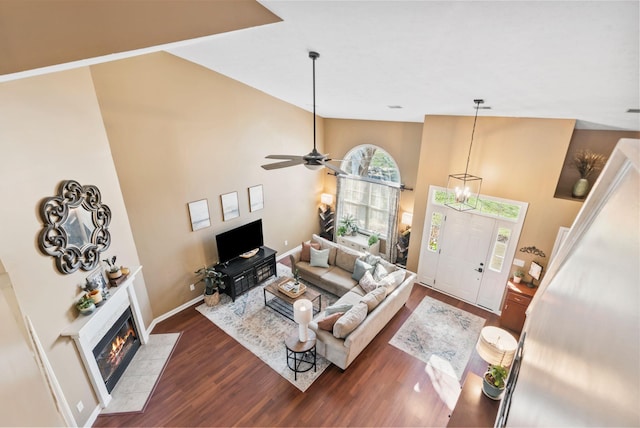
{"x": 314, "y": 159}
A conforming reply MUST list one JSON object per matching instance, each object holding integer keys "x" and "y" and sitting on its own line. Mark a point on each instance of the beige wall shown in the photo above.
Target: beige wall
{"x": 181, "y": 133}
{"x": 51, "y": 130}
{"x": 517, "y": 158}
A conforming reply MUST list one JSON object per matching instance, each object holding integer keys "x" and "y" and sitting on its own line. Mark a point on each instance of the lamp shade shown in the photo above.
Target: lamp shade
{"x": 496, "y": 346}
{"x": 302, "y": 314}
{"x": 326, "y": 199}
{"x": 406, "y": 218}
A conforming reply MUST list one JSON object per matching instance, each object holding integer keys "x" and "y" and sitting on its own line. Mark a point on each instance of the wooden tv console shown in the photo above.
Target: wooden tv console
{"x": 241, "y": 275}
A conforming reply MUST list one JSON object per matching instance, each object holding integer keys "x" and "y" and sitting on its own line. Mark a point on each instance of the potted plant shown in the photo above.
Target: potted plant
{"x": 350, "y": 225}
{"x": 586, "y": 162}
{"x": 373, "y": 239}
{"x": 342, "y": 230}
{"x": 517, "y": 276}
{"x": 85, "y": 305}
{"x": 494, "y": 380}
{"x": 113, "y": 270}
{"x": 212, "y": 282}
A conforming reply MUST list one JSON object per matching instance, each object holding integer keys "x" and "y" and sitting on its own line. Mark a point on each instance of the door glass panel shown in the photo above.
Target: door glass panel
{"x": 500, "y": 249}
{"x": 434, "y": 231}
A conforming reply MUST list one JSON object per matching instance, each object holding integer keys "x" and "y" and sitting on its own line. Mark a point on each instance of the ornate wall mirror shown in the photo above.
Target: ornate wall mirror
{"x": 75, "y": 228}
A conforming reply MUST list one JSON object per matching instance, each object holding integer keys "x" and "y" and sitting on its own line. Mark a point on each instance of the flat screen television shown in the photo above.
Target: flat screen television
{"x": 240, "y": 240}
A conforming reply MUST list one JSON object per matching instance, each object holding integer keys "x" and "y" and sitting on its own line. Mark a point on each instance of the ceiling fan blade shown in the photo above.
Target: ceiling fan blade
{"x": 333, "y": 167}
{"x": 289, "y": 157}
{"x": 285, "y": 164}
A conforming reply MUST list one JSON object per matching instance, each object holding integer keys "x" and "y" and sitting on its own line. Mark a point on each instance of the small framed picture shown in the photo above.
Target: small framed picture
{"x": 230, "y": 208}
{"x": 199, "y": 213}
{"x": 97, "y": 280}
{"x": 256, "y": 198}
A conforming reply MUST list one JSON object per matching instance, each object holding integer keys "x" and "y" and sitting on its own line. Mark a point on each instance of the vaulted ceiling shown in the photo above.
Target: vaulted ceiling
{"x": 402, "y": 60}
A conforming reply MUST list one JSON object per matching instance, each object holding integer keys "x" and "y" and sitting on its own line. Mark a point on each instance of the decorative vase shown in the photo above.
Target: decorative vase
{"x": 115, "y": 274}
{"x": 212, "y": 299}
{"x": 491, "y": 390}
{"x": 516, "y": 279}
{"x": 96, "y": 296}
{"x": 581, "y": 188}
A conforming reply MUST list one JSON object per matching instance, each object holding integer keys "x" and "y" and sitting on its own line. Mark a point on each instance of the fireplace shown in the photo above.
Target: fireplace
{"x": 116, "y": 349}
{"x": 118, "y": 324}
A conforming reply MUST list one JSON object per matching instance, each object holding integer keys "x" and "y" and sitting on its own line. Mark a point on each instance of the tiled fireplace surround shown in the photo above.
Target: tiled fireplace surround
{"x": 86, "y": 331}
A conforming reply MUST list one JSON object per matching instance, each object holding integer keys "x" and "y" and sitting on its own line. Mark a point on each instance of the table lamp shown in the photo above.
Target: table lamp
{"x": 498, "y": 348}
{"x": 326, "y": 199}
{"x": 302, "y": 314}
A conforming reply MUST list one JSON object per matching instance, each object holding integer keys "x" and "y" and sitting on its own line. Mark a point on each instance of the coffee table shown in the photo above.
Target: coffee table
{"x": 283, "y": 304}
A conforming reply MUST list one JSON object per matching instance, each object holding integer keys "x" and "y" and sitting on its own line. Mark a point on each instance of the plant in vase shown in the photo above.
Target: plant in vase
{"x": 212, "y": 283}
{"x": 85, "y": 305}
{"x": 494, "y": 380}
{"x": 113, "y": 271}
{"x": 350, "y": 225}
{"x": 373, "y": 238}
{"x": 586, "y": 162}
{"x": 517, "y": 276}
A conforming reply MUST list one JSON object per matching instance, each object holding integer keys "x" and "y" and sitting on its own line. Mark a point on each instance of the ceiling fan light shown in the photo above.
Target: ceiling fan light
{"x": 313, "y": 167}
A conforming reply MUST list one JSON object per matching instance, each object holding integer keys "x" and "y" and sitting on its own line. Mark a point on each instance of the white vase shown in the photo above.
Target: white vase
{"x": 581, "y": 188}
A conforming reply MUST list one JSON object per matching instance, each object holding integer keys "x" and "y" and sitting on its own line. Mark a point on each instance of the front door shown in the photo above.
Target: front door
{"x": 463, "y": 255}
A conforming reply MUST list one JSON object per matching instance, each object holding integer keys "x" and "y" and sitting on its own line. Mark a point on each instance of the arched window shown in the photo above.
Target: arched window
{"x": 370, "y": 193}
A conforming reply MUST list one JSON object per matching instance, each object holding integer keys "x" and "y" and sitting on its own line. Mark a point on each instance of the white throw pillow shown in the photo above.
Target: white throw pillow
{"x": 350, "y": 320}
{"x": 380, "y": 272}
{"x": 367, "y": 283}
{"x": 392, "y": 280}
{"x": 374, "y": 298}
{"x": 319, "y": 258}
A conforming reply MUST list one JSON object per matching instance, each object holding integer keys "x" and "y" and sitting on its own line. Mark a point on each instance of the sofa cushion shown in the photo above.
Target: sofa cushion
{"x": 340, "y": 278}
{"x": 324, "y": 244}
{"x": 367, "y": 282}
{"x": 328, "y": 322}
{"x": 350, "y": 320}
{"x": 360, "y": 268}
{"x": 346, "y": 259}
{"x": 374, "y": 298}
{"x": 391, "y": 281}
{"x": 305, "y": 253}
{"x": 319, "y": 258}
{"x": 389, "y": 267}
{"x": 337, "y": 307}
{"x": 379, "y": 272}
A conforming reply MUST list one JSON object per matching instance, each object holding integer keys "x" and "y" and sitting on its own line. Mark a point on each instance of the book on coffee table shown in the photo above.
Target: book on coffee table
{"x": 291, "y": 289}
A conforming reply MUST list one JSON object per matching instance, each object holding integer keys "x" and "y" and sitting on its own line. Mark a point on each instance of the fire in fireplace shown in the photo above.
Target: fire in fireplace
{"x": 116, "y": 349}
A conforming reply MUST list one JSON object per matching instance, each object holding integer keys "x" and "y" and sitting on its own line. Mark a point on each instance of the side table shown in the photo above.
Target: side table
{"x": 301, "y": 356}
{"x": 474, "y": 409}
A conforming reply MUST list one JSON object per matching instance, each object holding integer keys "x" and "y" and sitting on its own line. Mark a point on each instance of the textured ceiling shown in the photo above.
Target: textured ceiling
{"x": 550, "y": 59}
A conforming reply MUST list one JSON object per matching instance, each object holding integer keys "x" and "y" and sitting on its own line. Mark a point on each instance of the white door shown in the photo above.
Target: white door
{"x": 463, "y": 254}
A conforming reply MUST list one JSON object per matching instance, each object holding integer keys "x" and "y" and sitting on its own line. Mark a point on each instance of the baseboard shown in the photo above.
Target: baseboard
{"x": 93, "y": 416}
{"x": 174, "y": 311}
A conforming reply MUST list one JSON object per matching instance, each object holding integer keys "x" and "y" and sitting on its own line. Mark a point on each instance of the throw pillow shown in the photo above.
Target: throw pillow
{"x": 392, "y": 280}
{"x": 374, "y": 298}
{"x": 379, "y": 272}
{"x": 360, "y": 268}
{"x": 350, "y": 320}
{"x": 367, "y": 283}
{"x": 371, "y": 259}
{"x": 305, "y": 253}
{"x": 337, "y": 307}
{"x": 324, "y": 244}
{"x": 346, "y": 259}
{"x": 327, "y": 323}
{"x": 319, "y": 258}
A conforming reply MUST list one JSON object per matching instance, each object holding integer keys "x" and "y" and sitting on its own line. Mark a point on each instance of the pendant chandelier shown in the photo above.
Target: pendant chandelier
{"x": 463, "y": 190}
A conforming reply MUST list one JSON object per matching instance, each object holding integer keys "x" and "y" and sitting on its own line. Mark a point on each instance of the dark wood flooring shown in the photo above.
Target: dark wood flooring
{"x": 211, "y": 380}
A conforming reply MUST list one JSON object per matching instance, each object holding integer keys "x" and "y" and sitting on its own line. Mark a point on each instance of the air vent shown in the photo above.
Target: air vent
{"x": 633, "y": 110}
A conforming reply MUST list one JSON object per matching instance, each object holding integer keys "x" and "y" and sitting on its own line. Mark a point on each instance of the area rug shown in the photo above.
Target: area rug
{"x": 133, "y": 390}
{"x": 262, "y": 330}
{"x": 440, "y": 335}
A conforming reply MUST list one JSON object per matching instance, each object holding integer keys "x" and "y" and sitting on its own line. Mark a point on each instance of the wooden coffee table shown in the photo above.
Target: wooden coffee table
{"x": 283, "y": 304}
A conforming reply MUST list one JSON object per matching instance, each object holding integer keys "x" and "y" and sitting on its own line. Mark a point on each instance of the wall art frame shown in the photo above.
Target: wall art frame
{"x": 230, "y": 207}
{"x": 199, "y": 214}
{"x": 256, "y": 198}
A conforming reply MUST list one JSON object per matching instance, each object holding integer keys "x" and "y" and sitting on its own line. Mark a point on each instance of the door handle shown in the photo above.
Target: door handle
{"x": 478, "y": 270}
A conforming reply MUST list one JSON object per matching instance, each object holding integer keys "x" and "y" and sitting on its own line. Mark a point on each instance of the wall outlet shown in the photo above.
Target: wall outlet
{"x": 192, "y": 287}
{"x": 518, "y": 262}
{"x": 286, "y": 242}
{"x": 80, "y": 406}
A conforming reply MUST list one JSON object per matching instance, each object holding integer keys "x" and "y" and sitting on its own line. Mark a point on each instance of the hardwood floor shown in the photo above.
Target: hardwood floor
{"x": 211, "y": 380}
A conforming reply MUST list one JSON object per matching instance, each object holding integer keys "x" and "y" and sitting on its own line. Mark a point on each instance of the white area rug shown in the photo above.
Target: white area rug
{"x": 262, "y": 330}
{"x": 440, "y": 335}
{"x": 138, "y": 381}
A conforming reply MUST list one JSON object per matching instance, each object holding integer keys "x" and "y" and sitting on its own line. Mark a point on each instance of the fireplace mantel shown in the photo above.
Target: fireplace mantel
{"x": 87, "y": 330}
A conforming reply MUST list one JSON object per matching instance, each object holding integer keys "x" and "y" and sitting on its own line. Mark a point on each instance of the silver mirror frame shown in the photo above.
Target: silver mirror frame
{"x": 53, "y": 239}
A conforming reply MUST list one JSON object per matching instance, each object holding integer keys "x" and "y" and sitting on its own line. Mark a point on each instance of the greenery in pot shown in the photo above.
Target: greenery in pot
{"x": 373, "y": 238}
{"x": 85, "y": 304}
{"x": 212, "y": 280}
{"x": 518, "y": 274}
{"x": 113, "y": 269}
{"x": 342, "y": 230}
{"x": 496, "y": 375}
{"x": 350, "y": 225}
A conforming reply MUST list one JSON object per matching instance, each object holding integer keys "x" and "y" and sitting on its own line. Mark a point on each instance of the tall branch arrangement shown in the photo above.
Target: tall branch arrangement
{"x": 587, "y": 162}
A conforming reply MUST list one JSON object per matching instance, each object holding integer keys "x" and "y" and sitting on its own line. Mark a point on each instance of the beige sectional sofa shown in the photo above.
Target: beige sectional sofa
{"x": 336, "y": 277}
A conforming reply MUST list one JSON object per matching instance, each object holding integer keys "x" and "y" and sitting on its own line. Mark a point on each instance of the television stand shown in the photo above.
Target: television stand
{"x": 242, "y": 274}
